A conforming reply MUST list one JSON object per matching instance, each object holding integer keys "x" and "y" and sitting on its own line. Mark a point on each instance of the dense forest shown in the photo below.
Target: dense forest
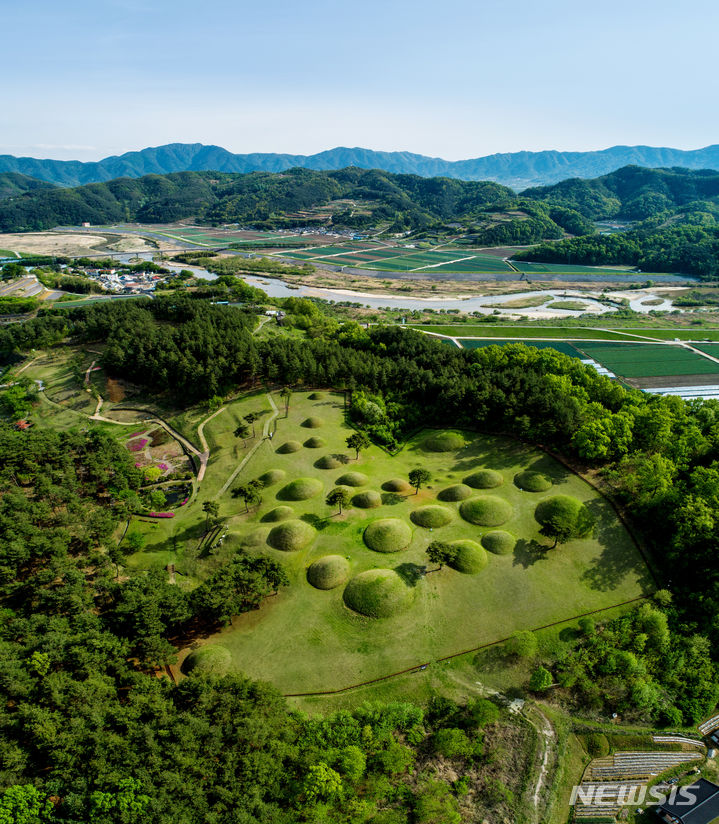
{"x": 634, "y": 193}
{"x": 259, "y": 198}
{"x": 87, "y": 736}
{"x": 673, "y": 212}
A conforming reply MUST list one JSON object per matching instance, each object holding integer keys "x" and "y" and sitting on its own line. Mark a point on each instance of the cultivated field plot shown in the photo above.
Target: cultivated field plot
{"x": 495, "y": 330}
{"x": 564, "y": 347}
{"x": 360, "y": 605}
{"x": 368, "y": 255}
{"x": 635, "y": 362}
{"x": 562, "y": 268}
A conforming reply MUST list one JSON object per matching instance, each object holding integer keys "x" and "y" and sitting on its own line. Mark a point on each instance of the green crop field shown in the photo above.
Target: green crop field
{"x": 679, "y": 334}
{"x": 311, "y": 638}
{"x": 564, "y": 347}
{"x": 563, "y": 268}
{"x": 648, "y": 360}
{"x": 497, "y": 331}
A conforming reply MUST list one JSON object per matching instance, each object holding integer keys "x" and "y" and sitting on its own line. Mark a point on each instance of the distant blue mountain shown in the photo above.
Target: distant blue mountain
{"x": 516, "y": 169}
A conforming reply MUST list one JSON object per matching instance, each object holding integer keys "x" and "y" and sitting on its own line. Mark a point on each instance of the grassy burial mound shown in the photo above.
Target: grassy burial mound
{"x": 316, "y": 396}
{"x": 290, "y": 536}
{"x": 315, "y": 443}
{"x": 367, "y": 500}
{"x": 470, "y": 559}
{"x": 301, "y": 489}
{"x": 328, "y": 462}
{"x": 210, "y": 660}
{"x": 498, "y": 542}
{"x": 396, "y": 485}
{"x": 289, "y": 447}
{"x": 388, "y": 535}
{"x": 457, "y": 492}
{"x": 532, "y": 481}
{"x": 329, "y": 572}
{"x": 279, "y": 513}
{"x": 484, "y": 479}
{"x": 313, "y": 422}
{"x": 378, "y": 593}
{"x": 431, "y": 516}
{"x": 563, "y": 517}
{"x": 486, "y": 510}
{"x": 443, "y": 442}
{"x": 273, "y": 476}
{"x": 352, "y": 479}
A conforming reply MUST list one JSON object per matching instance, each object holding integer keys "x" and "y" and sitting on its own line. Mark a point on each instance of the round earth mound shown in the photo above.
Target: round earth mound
{"x": 300, "y": 489}
{"x": 352, "y": 479}
{"x": 565, "y": 510}
{"x": 289, "y": 447}
{"x": 315, "y": 443}
{"x": 458, "y": 492}
{"x": 378, "y": 593}
{"x": 328, "y": 572}
{"x": 484, "y": 479}
{"x": 431, "y": 516}
{"x": 316, "y": 396}
{"x": 313, "y": 422}
{"x": 498, "y": 542}
{"x": 443, "y": 442}
{"x": 487, "y": 510}
{"x": 289, "y": 536}
{"x": 532, "y": 481}
{"x": 273, "y": 476}
{"x": 470, "y": 558}
{"x": 367, "y": 500}
{"x": 210, "y": 660}
{"x": 327, "y": 462}
{"x": 279, "y": 513}
{"x": 388, "y": 535}
{"x": 396, "y": 485}
{"x": 256, "y": 538}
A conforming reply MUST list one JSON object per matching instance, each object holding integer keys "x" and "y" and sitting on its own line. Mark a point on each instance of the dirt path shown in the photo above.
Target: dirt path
{"x": 265, "y": 434}
{"x": 201, "y": 430}
{"x": 203, "y": 456}
{"x": 546, "y": 733}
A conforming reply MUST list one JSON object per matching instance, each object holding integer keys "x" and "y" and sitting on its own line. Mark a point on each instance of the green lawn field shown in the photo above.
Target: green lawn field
{"x": 307, "y": 639}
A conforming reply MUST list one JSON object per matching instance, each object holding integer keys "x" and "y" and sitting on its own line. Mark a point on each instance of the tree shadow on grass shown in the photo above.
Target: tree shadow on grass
{"x": 551, "y": 468}
{"x": 619, "y": 557}
{"x": 411, "y": 573}
{"x": 314, "y": 520}
{"x": 527, "y": 553}
{"x": 392, "y": 498}
{"x": 569, "y": 634}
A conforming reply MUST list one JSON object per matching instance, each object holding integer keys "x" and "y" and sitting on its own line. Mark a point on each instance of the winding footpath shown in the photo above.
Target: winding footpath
{"x": 243, "y": 463}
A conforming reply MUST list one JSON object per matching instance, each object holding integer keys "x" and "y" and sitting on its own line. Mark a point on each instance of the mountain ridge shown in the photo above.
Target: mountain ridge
{"x": 519, "y": 170}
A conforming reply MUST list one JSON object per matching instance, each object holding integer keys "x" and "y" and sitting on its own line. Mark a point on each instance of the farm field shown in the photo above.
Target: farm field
{"x": 544, "y": 268}
{"x": 308, "y": 639}
{"x": 367, "y": 255}
{"x": 646, "y": 360}
{"x": 484, "y": 330}
{"x": 564, "y": 347}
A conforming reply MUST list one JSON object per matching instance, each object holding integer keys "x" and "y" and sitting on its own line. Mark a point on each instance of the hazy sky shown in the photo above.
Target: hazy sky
{"x": 453, "y": 78}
